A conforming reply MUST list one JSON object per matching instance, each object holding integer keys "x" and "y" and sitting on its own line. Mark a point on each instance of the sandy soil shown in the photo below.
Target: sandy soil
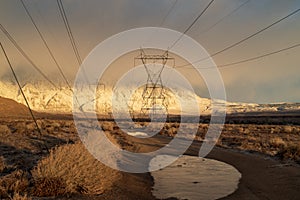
{"x": 263, "y": 177}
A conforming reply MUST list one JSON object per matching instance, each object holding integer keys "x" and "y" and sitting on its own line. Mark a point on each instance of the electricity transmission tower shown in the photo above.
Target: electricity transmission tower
{"x": 153, "y": 99}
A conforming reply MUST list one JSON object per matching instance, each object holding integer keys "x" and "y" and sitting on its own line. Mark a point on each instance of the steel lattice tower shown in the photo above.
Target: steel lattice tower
{"x": 154, "y": 93}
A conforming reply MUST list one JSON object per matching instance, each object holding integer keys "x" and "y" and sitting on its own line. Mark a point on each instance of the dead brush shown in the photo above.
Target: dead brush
{"x": 290, "y": 151}
{"x": 2, "y": 164}
{"x": 107, "y": 126}
{"x": 49, "y": 187}
{"x": 277, "y": 142}
{"x": 70, "y": 169}
{"x": 16, "y": 182}
{"x": 17, "y": 196}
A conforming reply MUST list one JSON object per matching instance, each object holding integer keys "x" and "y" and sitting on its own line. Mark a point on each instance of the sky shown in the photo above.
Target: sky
{"x": 271, "y": 79}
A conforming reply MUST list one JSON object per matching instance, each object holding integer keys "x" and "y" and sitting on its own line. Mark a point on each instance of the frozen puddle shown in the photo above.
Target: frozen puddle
{"x": 194, "y": 178}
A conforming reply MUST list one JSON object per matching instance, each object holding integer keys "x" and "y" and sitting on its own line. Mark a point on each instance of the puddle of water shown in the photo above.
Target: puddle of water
{"x": 194, "y": 178}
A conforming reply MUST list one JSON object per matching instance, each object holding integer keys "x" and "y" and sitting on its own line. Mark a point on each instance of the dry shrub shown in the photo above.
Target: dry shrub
{"x": 41, "y": 123}
{"x": 16, "y": 182}
{"x": 275, "y": 130}
{"x": 176, "y": 125}
{"x": 4, "y": 129}
{"x": 107, "y": 126}
{"x": 20, "y": 128}
{"x": 201, "y": 132}
{"x": 290, "y": 151}
{"x": 277, "y": 142}
{"x": 31, "y": 126}
{"x": 228, "y": 127}
{"x": 2, "y": 164}
{"x": 168, "y": 126}
{"x": 287, "y": 129}
{"x": 251, "y": 146}
{"x": 231, "y": 141}
{"x": 17, "y": 196}
{"x": 70, "y": 169}
{"x": 252, "y": 139}
{"x": 238, "y": 129}
{"x": 172, "y": 131}
{"x": 246, "y": 131}
{"x": 49, "y": 187}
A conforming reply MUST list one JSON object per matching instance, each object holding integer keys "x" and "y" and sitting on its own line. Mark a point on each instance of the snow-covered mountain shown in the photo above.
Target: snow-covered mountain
{"x": 45, "y": 98}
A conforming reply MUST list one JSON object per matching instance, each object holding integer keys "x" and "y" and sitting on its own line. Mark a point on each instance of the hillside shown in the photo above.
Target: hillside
{"x": 45, "y": 98}
{"x": 11, "y": 108}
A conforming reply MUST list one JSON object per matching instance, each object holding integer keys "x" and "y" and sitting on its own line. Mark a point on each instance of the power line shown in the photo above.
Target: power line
{"x": 192, "y": 24}
{"x": 168, "y": 13}
{"x": 261, "y": 56}
{"x": 226, "y": 16}
{"x": 164, "y": 19}
{"x": 22, "y": 92}
{"x": 179, "y": 38}
{"x": 70, "y": 34}
{"x": 49, "y": 50}
{"x": 71, "y": 37}
{"x": 45, "y": 43}
{"x": 198, "y": 17}
{"x": 247, "y": 38}
{"x": 7, "y": 34}
{"x": 20, "y": 87}
{"x": 251, "y": 59}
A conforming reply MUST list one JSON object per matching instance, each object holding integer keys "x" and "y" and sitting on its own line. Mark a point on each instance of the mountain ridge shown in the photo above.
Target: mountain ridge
{"x": 44, "y": 98}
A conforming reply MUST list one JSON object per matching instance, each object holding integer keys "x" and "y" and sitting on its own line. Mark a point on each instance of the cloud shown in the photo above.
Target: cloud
{"x": 267, "y": 80}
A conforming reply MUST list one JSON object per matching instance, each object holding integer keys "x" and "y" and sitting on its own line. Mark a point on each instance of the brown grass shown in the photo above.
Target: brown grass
{"x": 17, "y": 196}
{"x": 273, "y": 140}
{"x": 2, "y": 164}
{"x": 70, "y": 169}
{"x": 277, "y": 142}
{"x": 290, "y": 151}
{"x": 16, "y": 182}
{"x": 49, "y": 187}
{"x": 107, "y": 126}
{"x": 4, "y": 129}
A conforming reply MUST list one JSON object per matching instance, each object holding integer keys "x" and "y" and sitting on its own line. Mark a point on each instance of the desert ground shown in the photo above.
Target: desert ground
{"x": 55, "y": 165}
